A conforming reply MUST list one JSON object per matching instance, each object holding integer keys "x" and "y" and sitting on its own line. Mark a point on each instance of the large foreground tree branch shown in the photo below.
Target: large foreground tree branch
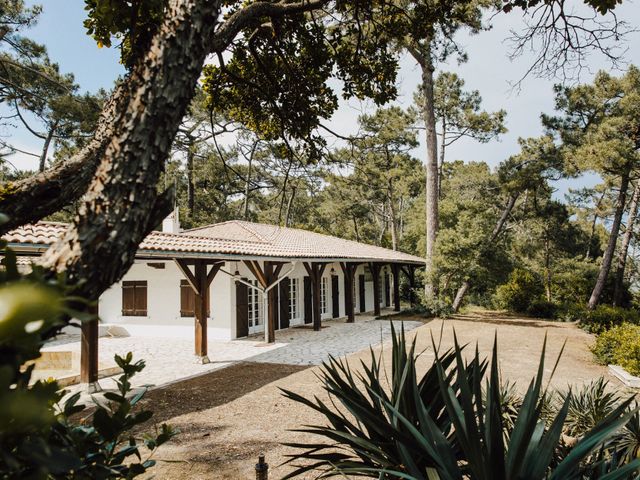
{"x": 33, "y": 198}
{"x": 121, "y": 204}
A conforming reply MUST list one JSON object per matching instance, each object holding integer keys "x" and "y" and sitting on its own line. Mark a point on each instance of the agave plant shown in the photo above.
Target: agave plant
{"x": 588, "y": 405}
{"x": 445, "y": 425}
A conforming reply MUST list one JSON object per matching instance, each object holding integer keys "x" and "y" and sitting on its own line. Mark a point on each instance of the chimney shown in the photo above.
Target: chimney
{"x": 171, "y": 224}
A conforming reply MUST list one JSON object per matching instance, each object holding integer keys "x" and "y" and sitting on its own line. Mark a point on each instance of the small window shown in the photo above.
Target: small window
{"x": 134, "y": 298}
{"x": 255, "y": 305}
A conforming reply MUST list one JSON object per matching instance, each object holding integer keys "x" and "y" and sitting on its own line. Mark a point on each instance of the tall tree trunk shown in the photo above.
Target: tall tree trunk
{"x": 500, "y": 224}
{"x": 594, "y": 223}
{"x": 547, "y": 269}
{"x": 422, "y": 54}
{"x": 247, "y": 191}
{"x": 191, "y": 195}
{"x": 287, "y": 217}
{"x": 45, "y": 147}
{"x": 460, "y": 294}
{"x": 624, "y": 247}
{"x": 443, "y": 132}
{"x": 607, "y": 258}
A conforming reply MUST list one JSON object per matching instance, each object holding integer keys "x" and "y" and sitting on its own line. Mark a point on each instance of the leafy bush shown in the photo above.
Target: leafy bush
{"x": 38, "y": 439}
{"x": 521, "y": 290}
{"x": 542, "y": 309}
{"x": 605, "y": 317}
{"x": 572, "y": 312}
{"x": 432, "y": 307}
{"x": 444, "y": 425}
{"x": 620, "y": 346}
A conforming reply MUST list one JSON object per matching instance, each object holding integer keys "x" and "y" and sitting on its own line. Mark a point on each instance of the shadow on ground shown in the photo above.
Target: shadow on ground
{"x": 213, "y": 389}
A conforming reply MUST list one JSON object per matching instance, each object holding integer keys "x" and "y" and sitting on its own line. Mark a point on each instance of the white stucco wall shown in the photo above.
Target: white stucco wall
{"x": 163, "y": 300}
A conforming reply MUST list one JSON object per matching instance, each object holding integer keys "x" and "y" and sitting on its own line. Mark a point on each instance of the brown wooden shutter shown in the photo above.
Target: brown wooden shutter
{"x": 284, "y": 303}
{"x": 128, "y": 298}
{"x": 242, "y": 310}
{"x": 141, "y": 298}
{"x": 134, "y": 298}
{"x": 187, "y": 299}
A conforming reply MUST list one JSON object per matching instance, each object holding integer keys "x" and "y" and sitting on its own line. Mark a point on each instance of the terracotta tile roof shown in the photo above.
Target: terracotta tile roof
{"x": 229, "y": 239}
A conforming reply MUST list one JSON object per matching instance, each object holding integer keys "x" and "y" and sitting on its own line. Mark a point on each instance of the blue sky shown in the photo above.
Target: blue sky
{"x": 488, "y": 70}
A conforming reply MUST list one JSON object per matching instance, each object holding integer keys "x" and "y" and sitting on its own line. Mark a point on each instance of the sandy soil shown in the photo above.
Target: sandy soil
{"x": 228, "y": 417}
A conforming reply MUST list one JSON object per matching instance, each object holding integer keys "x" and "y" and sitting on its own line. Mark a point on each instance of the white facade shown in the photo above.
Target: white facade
{"x": 163, "y": 299}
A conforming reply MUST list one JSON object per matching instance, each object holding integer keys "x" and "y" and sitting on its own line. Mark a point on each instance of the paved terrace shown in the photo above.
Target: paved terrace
{"x": 172, "y": 359}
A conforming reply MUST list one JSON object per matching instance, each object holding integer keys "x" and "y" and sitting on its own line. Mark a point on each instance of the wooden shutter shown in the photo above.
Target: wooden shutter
{"x": 361, "y": 292}
{"x": 308, "y": 307}
{"x": 141, "y": 299}
{"x": 134, "y": 298}
{"x": 335, "y": 296}
{"x": 242, "y": 310}
{"x": 128, "y": 298}
{"x": 187, "y": 299}
{"x": 284, "y": 303}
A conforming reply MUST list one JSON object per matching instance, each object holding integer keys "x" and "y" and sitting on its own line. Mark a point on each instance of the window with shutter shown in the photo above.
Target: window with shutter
{"x": 134, "y": 298}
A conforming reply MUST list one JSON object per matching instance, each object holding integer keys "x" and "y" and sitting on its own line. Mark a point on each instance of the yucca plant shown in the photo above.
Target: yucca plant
{"x": 445, "y": 425}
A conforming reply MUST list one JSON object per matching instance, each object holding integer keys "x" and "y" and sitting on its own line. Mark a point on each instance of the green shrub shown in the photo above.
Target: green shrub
{"x": 542, "y": 308}
{"x": 620, "y": 346}
{"x": 605, "y": 317}
{"x": 38, "y": 439}
{"x": 572, "y": 312}
{"x": 521, "y": 290}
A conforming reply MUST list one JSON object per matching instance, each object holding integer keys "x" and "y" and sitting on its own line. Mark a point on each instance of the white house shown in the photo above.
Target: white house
{"x": 234, "y": 279}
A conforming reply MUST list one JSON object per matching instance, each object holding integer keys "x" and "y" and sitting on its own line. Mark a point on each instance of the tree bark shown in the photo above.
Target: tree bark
{"x": 45, "y": 147}
{"x": 594, "y": 223}
{"x": 121, "y": 205}
{"x": 32, "y": 199}
{"x": 624, "y": 247}
{"x": 287, "y": 217}
{"x": 460, "y": 294}
{"x": 191, "y": 195}
{"x": 502, "y": 221}
{"x": 245, "y": 208}
{"x": 607, "y": 258}
{"x": 422, "y": 54}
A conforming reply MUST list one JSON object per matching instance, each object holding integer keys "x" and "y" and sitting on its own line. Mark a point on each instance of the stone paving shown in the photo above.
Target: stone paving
{"x": 171, "y": 359}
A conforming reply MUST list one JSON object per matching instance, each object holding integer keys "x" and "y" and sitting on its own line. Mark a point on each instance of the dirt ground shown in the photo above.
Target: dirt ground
{"x": 226, "y": 418}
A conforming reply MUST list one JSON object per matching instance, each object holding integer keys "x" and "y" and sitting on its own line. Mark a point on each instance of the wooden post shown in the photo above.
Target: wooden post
{"x": 266, "y": 277}
{"x": 89, "y": 352}
{"x": 200, "y": 311}
{"x": 272, "y": 302}
{"x": 315, "y": 271}
{"x": 200, "y": 281}
{"x": 375, "y": 270}
{"x": 349, "y": 271}
{"x": 395, "y": 269}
